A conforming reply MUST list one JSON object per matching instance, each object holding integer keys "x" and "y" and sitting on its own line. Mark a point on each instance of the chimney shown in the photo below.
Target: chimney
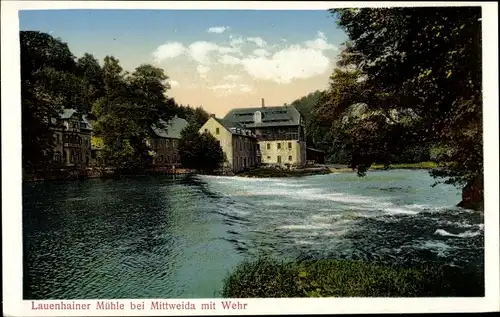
{"x": 212, "y": 115}
{"x": 263, "y": 104}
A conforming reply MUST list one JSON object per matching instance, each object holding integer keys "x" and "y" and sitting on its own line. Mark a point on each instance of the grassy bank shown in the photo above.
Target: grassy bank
{"x": 263, "y": 172}
{"x": 421, "y": 165}
{"x": 346, "y": 278}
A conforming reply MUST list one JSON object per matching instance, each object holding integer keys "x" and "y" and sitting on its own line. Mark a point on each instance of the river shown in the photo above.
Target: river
{"x": 166, "y": 237}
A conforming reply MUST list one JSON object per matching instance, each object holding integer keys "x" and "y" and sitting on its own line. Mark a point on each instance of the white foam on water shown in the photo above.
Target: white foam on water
{"x": 398, "y": 210}
{"x": 418, "y": 207}
{"x": 335, "y": 233}
{"x": 435, "y": 244}
{"x": 294, "y": 185}
{"x": 439, "y": 246}
{"x": 306, "y": 227}
{"x": 466, "y": 234}
{"x": 462, "y": 224}
{"x": 325, "y": 217}
{"x": 305, "y": 242}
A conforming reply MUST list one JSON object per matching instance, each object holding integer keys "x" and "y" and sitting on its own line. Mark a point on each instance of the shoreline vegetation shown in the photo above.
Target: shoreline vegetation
{"x": 259, "y": 172}
{"x": 269, "y": 172}
{"x": 268, "y": 278}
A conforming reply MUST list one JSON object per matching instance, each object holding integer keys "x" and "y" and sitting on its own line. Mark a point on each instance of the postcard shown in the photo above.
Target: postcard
{"x": 236, "y": 158}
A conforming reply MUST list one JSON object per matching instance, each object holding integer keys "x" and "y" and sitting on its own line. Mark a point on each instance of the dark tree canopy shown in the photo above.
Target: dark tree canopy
{"x": 419, "y": 75}
{"x": 198, "y": 151}
{"x": 48, "y": 83}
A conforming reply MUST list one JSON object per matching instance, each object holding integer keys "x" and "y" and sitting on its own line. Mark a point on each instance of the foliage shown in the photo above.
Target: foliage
{"x": 419, "y": 165}
{"x": 92, "y": 75}
{"x": 131, "y": 105}
{"x": 305, "y": 104}
{"x": 266, "y": 278}
{"x": 47, "y": 84}
{"x": 194, "y": 116}
{"x": 418, "y": 73}
{"x": 201, "y": 152}
{"x": 264, "y": 172}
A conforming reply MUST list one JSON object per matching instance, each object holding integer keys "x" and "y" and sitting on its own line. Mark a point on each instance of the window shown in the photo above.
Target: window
{"x": 206, "y": 130}
{"x": 290, "y": 158}
{"x": 268, "y": 157}
{"x": 289, "y": 145}
{"x": 268, "y": 146}
{"x": 279, "y": 159}
{"x": 216, "y": 130}
{"x": 279, "y": 146}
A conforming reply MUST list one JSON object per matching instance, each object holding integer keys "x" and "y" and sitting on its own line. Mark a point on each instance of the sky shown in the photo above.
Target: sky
{"x": 217, "y": 59}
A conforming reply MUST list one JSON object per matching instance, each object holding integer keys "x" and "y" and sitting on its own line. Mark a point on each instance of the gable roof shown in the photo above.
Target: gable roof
{"x": 271, "y": 116}
{"x": 172, "y": 129}
{"x": 229, "y": 124}
{"x": 234, "y": 127}
{"x": 67, "y": 113}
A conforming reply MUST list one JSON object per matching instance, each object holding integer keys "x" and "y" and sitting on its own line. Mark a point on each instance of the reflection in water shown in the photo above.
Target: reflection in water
{"x": 163, "y": 238}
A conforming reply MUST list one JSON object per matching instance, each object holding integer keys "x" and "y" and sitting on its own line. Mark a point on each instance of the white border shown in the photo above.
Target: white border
{"x": 11, "y": 176}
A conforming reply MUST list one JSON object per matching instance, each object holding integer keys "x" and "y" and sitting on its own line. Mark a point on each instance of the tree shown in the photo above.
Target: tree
{"x": 92, "y": 75}
{"x": 425, "y": 62}
{"x": 198, "y": 151}
{"x": 48, "y": 83}
{"x": 131, "y": 106}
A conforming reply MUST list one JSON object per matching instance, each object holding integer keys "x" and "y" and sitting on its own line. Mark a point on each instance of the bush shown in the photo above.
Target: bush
{"x": 347, "y": 278}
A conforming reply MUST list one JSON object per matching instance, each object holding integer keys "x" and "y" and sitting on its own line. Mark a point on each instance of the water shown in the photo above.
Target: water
{"x": 179, "y": 238}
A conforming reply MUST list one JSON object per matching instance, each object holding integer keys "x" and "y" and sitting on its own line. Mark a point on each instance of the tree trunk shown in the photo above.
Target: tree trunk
{"x": 473, "y": 195}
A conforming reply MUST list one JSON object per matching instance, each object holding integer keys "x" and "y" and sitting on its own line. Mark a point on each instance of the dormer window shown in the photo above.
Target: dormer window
{"x": 257, "y": 117}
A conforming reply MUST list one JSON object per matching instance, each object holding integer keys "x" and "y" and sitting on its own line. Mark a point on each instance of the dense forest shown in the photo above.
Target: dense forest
{"x": 407, "y": 87}
{"x": 123, "y": 105}
{"x": 332, "y": 136}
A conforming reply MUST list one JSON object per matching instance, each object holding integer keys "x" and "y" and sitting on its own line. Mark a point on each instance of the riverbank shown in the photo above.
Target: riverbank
{"x": 97, "y": 172}
{"x": 420, "y": 166}
{"x": 265, "y": 278}
{"x": 267, "y": 172}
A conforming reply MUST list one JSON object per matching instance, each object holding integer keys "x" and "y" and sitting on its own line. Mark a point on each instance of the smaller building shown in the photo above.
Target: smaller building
{"x": 239, "y": 145}
{"x": 72, "y": 143}
{"x": 165, "y": 146}
{"x": 315, "y": 156}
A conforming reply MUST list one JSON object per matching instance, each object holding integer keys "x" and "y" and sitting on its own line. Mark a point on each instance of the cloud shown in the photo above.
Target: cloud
{"x": 280, "y": 62}
{"x": 200, "y": 51}
{"x": 257, "y": 41}
{"x": 203, "y": 70}
{"x": 236, "y": 41}
{"x": 320, "y": 43}
{"x": 232, "y": 77}
{"x": 173, "y": 83}
{"x": 168, "y": 50}
{"x": 229, "y": 60}
{"x": 294, "y": 62}
{"x": 261, "y": 52}
{"x": 230, "y": 88}
{"x": 217, "y": 29}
